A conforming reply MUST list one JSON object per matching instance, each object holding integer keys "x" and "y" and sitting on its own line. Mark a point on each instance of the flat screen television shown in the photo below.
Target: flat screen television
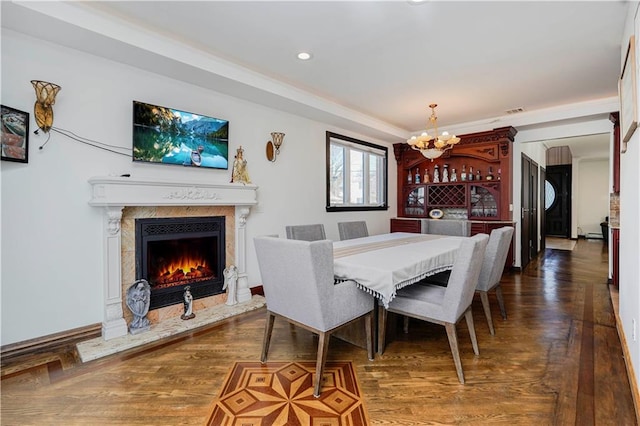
{"x": 170, "y": 136}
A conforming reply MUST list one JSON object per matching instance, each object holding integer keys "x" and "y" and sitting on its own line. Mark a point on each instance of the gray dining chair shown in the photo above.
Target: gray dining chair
{"x": 446, "y": 305}
{"x": 459, "y": 228}
{"x": 350, "y": 230}
{"x": 492, "y": 268}
{"x": 306, "y": 232}
{"x": 493, "y": 265}
{"x": 299, "y": 287}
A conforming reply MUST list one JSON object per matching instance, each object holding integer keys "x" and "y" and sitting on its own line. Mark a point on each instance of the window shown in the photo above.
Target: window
{"x": 356, "y": 174}
{"x": 549, "y": 195}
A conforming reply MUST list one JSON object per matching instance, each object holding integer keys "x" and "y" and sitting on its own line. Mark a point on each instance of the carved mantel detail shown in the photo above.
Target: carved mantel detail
{"x": 192, "y": 193}
{"x": 114, "y": 217}
{"x": 243, "y": 212}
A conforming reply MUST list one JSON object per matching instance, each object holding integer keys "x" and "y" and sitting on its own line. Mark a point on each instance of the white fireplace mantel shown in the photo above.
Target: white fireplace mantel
{"x": 127, "y": 191}
{"x": 115, "y": 193}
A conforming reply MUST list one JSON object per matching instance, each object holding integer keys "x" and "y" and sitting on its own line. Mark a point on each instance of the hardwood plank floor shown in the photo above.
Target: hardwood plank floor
{"x": 556, "y": 360}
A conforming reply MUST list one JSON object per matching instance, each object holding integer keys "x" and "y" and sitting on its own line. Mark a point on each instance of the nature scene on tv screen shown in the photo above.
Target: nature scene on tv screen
{"x": 170, "y": 136}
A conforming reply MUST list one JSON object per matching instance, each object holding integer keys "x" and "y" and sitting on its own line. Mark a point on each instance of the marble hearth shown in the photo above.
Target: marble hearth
{"x": 123, "y": 199}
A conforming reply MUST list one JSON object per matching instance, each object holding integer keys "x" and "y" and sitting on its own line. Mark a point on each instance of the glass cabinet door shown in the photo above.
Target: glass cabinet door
{"x": 483, "y": 202}
{"x": 414, "y": 201}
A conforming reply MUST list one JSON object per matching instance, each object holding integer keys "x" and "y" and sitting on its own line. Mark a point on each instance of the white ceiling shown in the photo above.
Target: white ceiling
{"x": 376, "y": 65}
{"x": 587, "y": 147}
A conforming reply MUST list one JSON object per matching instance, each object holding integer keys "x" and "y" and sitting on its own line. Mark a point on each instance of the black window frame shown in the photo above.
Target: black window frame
{"x": 385, "y": 183}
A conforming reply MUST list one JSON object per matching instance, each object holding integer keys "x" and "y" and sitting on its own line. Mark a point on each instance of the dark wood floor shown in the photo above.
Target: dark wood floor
{"x": 556, "y": 360}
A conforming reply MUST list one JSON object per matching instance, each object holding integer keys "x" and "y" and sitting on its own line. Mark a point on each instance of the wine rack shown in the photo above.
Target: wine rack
{"x": 447, "y": 195}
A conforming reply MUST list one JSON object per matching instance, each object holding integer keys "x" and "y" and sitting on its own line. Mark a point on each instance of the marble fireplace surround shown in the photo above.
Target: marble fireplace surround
{"x": 146, "y": 197}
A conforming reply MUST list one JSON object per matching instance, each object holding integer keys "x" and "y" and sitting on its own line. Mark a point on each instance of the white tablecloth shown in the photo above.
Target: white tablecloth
{"x": 383, "y": 264}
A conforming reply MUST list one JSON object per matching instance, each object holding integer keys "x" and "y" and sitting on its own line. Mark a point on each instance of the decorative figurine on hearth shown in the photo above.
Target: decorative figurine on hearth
{"x": 240, "y": 173}
{"x": 138, "y": 298}
{"x": 188, "y": 304}
{"x": 230, "y": 283}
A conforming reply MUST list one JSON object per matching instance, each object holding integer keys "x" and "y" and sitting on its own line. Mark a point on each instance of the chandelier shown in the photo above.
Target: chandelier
{"x": 433, "y": 146}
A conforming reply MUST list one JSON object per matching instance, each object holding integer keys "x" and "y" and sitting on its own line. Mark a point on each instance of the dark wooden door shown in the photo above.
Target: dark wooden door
{"x": 541, "y": 206}
{"x": 529, "y": 213}
{"x": 558, "y": 213}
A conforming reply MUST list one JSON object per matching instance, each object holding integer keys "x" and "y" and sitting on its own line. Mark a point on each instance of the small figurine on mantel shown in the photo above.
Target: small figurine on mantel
{"x": 230, "y": 284}
{"x": 188, "y": 304}
{"x": 138, "y": 299}
{"x": 240, "y": 173}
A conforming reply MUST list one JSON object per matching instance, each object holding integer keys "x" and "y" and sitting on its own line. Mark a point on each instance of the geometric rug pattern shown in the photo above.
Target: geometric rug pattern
{"x": 281, "y": 393}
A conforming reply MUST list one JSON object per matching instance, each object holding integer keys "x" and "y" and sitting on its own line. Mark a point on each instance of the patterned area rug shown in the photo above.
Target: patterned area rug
{"x": 281, "y": 393}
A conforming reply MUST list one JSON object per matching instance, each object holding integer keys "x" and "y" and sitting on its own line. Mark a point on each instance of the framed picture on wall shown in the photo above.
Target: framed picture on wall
{"x": 627, "y": 91}
{"x": 15, "y": 134}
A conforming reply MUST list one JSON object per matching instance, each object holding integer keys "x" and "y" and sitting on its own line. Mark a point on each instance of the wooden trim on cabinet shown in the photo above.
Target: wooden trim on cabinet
{"x": 482, "y": 151}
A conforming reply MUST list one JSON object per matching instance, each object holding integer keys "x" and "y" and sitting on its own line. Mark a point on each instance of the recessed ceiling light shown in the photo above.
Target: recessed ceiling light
{"x": 304, "y": 56}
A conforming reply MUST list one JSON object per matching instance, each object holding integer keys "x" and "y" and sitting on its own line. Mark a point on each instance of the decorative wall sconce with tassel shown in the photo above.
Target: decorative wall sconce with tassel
{"x": 276, "y": 141}
{"x": 45, "y": 98}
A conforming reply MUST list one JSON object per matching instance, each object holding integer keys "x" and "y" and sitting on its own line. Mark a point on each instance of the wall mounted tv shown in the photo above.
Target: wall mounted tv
{"x": 170, "y": 136}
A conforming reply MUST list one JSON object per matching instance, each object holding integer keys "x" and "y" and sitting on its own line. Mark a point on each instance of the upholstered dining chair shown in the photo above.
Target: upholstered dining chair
{"x": 350, "y": 230}
{"x": 446, "y": 305}
{"x": 493, "y": 264}
{"x": 306, "y": 232}
{"x": 298, "y": 282}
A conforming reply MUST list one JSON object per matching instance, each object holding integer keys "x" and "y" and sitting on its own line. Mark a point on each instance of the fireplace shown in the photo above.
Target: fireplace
{"x": 173, "y": 253}
{"x": 124, "y": 199}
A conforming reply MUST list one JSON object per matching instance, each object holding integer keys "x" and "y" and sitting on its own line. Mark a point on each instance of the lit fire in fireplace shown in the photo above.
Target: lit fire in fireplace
{"x": 180, "y": 271}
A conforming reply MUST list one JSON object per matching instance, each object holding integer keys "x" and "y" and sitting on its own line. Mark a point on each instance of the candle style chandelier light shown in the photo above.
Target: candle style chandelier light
{"x": 433, "y": 146}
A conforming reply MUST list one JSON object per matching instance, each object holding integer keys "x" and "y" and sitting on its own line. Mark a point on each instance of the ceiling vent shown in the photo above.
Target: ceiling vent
{"x": 514, "y": 110}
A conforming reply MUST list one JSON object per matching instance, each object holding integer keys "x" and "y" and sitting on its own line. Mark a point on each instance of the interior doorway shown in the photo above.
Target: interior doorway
{"x": 558, "y": 201}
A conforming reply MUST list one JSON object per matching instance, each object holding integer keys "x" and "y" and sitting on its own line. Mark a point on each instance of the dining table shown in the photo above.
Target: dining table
{"x": 383, "y": 264}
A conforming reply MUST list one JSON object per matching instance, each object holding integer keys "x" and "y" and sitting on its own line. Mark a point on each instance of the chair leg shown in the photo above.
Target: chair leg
{"x": 484, "y": 296}
{"x": 472, "y": 331}
{"x": 453, "y": 342}
{"x": 323, "y": 346}
{"x": 368, "y": 329}
{"x": 503, "y": 309}
{"x": 268, "y": 329}
{"x": 382, "y": 328}
{"x": 406, "y": 325}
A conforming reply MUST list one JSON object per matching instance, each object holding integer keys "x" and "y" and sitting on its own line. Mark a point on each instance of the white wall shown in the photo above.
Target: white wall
{"x": 592, "y": 198}
{"x": 51, "y": 273}
{"x": 630, "y": 216}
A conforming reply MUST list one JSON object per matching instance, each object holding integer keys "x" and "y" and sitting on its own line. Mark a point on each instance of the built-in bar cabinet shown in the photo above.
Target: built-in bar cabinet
{"x": 472, "y": 181}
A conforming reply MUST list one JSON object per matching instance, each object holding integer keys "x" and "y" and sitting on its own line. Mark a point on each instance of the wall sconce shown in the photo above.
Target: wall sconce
{"x": 45, "y": 98}
{"x": 276, "y": 141}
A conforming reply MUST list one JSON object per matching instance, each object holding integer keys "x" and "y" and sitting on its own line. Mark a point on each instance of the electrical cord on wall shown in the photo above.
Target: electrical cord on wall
{"x": 86, "y": 141}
